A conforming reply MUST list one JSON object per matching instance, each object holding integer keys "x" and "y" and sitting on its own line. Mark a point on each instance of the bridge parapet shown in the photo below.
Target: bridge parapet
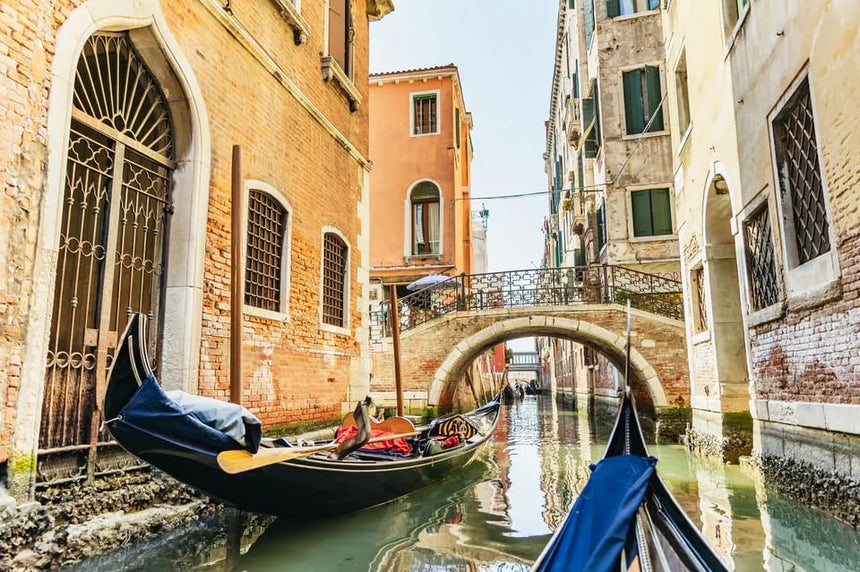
{"x": 574, "y": 285}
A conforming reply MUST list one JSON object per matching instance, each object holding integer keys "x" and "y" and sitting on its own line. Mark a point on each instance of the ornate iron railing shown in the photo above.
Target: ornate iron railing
{"x": 596, "y": 284}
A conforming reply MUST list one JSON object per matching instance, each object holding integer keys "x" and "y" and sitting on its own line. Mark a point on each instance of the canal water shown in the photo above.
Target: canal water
{"x": 499, "y": 513}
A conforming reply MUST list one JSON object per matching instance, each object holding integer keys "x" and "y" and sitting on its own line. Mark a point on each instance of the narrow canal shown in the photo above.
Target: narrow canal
{"x": 499, "y": 512}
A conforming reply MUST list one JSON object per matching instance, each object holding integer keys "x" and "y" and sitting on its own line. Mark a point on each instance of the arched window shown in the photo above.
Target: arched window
{"x": 267, "y": 253}
{"x": 335, "y": 266}
{"x": 426, "y": 222}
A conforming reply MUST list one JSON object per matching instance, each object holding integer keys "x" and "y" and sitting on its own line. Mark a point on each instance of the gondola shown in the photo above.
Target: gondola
{"x": 625, "y": 518}
{"x": 151, "y": 426}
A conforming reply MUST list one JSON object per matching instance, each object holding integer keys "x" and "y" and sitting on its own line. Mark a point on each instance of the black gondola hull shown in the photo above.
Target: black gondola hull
{"x": 149, "y": 425}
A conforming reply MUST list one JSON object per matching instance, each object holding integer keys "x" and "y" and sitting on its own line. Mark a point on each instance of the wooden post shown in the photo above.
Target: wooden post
{"x": 395, "y": 335}
{"x": 237, "y": 282}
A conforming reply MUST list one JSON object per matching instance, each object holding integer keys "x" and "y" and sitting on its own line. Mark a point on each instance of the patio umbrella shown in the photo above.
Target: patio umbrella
{"x": 427, "y": 281}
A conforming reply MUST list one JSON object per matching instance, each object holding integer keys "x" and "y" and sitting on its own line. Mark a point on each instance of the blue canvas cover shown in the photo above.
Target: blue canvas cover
{"x": 594, "y": 533}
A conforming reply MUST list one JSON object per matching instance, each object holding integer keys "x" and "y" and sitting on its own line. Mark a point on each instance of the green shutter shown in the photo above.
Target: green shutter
{"x": 652, "y": 86}
{"x": 590, "y": 148}
{"x": 571, "y": 4}
{"x": 634, "y": 114}
{"x": 457, "y": 124}
{"x": 641, "y": 204}
{"x": 613, "y": 10}
{"x": 661, "y": 211}
{"x": 596, "y": 99}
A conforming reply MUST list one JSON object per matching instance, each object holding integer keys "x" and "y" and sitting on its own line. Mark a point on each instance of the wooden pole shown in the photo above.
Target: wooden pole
{"x": 395, "y": 335}
{"x": 237, "y": 283}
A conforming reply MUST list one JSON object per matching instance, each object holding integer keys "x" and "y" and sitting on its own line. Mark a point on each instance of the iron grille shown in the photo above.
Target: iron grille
{"x": 424, "y": 114}
{"x": 266, "y": 227}
{"x": 334, "y": 279}
{"x": 111, "y": 258}
{"x": 800, "y": 174}
{"x": 761, "y": 263}
{"x": 701, "y": 311}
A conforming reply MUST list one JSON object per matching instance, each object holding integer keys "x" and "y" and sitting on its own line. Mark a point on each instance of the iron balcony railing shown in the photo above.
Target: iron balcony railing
{"x": 595, "y": 284}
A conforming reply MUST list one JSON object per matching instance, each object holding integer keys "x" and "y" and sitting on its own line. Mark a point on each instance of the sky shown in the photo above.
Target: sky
{"x": 505, "y": 53}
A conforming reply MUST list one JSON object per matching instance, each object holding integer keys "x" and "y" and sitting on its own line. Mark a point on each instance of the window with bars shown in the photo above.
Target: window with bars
{"x": 799, "y": 175}
{"x": 760, "y": 259}
{"x": 642, "y": 100}
{"x": 700, "y": 310}
{"x": 265, "y": 254}
{"x": 334, "y": 280}
{"x": 424, "y": 114}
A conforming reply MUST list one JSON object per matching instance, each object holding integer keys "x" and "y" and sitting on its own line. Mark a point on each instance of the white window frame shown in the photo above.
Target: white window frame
{"x": 345, "y": 329}
{"x": 663, "y": 98}
{"x": 809, "y": 280}
{"x": 412, "y": 95}
{"x": 682, "y": 140}
{"x": 629, "y": 199}
{"x": 407, "y": 222}
{"x": 283, "y": 314}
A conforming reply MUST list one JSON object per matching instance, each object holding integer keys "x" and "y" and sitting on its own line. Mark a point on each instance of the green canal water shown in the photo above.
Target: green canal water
{"x": 499, "y": 512}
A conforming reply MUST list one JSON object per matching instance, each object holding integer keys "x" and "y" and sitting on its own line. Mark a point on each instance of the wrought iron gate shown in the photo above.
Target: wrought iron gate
{"x": 112, "y": 250}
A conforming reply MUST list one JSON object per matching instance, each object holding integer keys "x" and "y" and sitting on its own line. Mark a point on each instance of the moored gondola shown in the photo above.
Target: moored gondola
{"x": 625, "y": 518}
{"x": 152, "y": 426}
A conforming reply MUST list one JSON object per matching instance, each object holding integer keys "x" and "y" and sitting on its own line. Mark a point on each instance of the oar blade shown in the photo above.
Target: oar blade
{"x": 240, "y": 461}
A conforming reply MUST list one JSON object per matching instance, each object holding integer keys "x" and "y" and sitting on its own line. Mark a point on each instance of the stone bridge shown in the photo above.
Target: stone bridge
{"x": 449, "y": 325}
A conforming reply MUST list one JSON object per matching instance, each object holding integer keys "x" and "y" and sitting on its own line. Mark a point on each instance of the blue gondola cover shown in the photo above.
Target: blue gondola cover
{"x": 595, "y": 531}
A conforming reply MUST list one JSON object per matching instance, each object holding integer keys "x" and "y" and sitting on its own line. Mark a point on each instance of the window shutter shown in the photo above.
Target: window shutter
{"x": 641, "y": 205}
{"x": 596, "y": 99}
{"x": 589, "y": 22}
{"x": 652, "y": 86}
{"x": 457, "y": 124}
{"x": 590, "y": 146}
{"x": 634, "y": 113}
{"x": 571, "y": 4}
{"x": 337, "y": 31}
{"x": 661, "y": 214}
{"x": 653, "y": 4}
{"x": 613, "y": 9}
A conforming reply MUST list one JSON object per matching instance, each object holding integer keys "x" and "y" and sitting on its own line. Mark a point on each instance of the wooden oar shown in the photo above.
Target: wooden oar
{"x": 239, "y": 460}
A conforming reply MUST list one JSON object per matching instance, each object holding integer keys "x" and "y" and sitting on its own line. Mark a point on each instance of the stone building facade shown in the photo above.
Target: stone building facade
{"x": 767, "y": 186}
{"x": 608, "y": 162}
{"x": 119, "y": 121}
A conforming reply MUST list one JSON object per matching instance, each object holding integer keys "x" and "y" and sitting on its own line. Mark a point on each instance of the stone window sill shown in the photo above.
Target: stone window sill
{"x": 265, "y": 314}
{"x": 655, "y": 238}
{"x": 422, "y": 257}
{"x": 636, "y": 15}
{"x": 646, "y": 135}
{"x": 765, "y": 315}
{"x": 289, "y": 12}
{"x": 829, "y": 292}
{"x": 334, "y": 329}
{"x": 332, "y": 71}
{"x": 684, "y": 138}
{"x": 701, "y": 338}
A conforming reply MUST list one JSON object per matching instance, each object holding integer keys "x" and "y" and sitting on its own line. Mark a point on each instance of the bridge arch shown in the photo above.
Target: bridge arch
{"x": 449, "y": 374}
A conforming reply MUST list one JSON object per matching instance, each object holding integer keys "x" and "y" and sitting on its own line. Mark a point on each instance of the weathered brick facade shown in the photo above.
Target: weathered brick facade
{"x": 244, "y": 72}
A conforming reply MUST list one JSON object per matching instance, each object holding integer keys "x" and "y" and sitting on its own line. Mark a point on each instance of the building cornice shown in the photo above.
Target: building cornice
{"x": 379, "y": 9}
{"x": 556, "y": 73}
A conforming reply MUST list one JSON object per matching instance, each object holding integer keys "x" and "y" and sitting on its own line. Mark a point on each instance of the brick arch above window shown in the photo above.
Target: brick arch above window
{"x": 267, "y": 261}
{"x": 334, "y": 281}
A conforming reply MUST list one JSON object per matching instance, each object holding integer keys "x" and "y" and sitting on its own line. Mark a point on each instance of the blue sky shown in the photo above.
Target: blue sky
{"x": 505, "y": 52}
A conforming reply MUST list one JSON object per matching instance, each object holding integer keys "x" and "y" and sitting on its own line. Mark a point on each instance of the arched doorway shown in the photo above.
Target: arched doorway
{"x": 112, "y": 258}
{"x": 721, "y": 392}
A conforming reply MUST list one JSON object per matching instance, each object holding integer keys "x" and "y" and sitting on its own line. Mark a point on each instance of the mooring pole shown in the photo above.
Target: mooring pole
{"x": 237, "y": 283}
{"x": 395, "y": 335}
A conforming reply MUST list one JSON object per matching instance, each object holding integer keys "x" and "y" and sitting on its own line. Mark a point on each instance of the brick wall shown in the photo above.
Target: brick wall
{"x": 293, "y": 370}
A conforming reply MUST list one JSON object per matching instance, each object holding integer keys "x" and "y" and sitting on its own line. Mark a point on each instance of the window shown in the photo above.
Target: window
{"x": 682, "y": 94}
{"x": 340, "y": 34}
{"x": 642, "y": 100}
{"x": 425, "y": 119}
{"x": 457, "y": 125}
{"x": 615, "y": 8}
{"x": 601, "y": 225}
{"x": 334, "y": 280}
{"x": 799, "y": 176}
{"x": 425, "y": 219}
{"x": 265, "y": 253}
{"x": 591, "y": 121}
{"x": 732, "y": 11}
{"x": 761, "y": 265}
{"x": 700, "y": 309}
{"x": 651, "y": 212}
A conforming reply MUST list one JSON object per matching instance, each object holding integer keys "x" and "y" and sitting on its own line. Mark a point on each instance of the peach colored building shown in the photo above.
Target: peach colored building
{"x": 420, "y": 145}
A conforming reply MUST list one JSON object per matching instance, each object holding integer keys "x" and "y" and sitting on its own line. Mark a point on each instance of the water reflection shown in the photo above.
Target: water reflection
{"x": 499, "y": 512}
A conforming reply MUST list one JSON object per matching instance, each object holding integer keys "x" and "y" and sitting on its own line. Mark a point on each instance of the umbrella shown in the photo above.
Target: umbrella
{"x": 427, "y": 281}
